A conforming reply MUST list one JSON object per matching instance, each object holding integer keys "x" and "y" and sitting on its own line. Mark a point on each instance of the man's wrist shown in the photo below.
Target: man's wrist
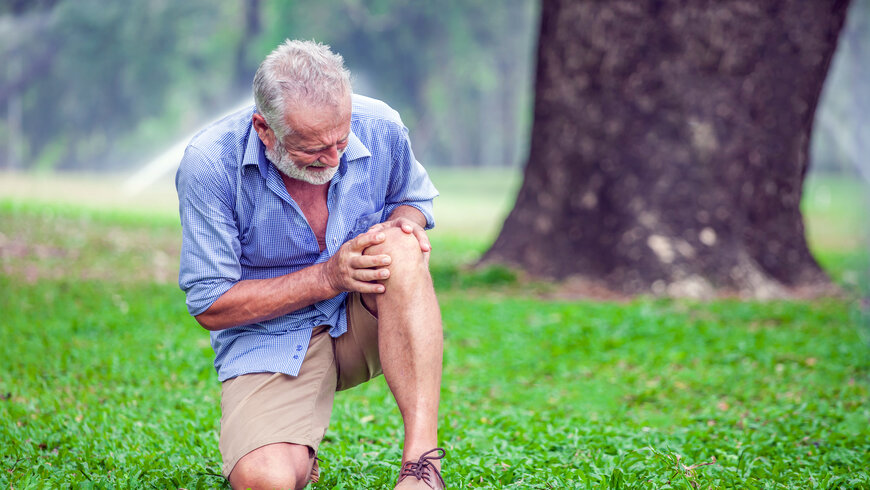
{"x": 326, "y": 279}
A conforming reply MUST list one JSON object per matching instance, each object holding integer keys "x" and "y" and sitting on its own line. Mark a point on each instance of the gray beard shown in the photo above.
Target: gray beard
{"x": 288, "y": 167}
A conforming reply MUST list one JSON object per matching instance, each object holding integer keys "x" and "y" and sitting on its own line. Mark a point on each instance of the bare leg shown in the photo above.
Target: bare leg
{"x": 410, "y": 340}
{"x": 279, "y": 465}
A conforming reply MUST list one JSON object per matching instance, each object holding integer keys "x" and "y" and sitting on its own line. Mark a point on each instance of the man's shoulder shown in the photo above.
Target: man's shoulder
{"x": 367, "y": 109}
{"x": 218, "y": 150}
{"x": 226, "y": 135}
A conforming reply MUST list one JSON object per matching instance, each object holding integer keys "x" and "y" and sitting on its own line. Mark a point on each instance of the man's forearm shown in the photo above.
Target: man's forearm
{"x": 256, "y": 300}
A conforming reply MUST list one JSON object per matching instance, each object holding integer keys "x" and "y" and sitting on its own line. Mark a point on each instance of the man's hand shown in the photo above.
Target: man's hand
{"x": 410, "y": 227}
{"x": 350, "y": 270}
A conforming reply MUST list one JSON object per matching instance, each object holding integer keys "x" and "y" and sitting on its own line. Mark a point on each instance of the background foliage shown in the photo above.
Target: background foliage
{"x": 90, "y": 85}
{"x": 97, "y": 86}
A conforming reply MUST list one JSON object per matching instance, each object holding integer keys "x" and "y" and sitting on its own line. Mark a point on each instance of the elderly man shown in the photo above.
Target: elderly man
{"x": 304, "y": 253}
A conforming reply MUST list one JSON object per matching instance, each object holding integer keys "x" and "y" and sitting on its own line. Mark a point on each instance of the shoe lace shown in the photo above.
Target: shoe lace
{"x": 315, "y": 471}
{"x": 423, "y": 469}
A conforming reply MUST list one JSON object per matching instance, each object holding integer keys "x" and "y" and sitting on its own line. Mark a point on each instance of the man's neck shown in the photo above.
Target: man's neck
{"x": 305, "y": 193}
{"x": 300, "y": 186}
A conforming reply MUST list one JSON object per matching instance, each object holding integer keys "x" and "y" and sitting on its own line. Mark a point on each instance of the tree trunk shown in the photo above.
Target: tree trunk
{"x": 669, "y": 146}
{"x": 244, "y": 68}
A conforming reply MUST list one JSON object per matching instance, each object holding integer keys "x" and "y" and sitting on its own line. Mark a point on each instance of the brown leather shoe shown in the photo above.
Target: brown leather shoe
{"x": 315, "y": 471}
{"x": 423, "y": 470}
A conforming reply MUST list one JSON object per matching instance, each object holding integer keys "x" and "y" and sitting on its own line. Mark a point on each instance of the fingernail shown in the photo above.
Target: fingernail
{"x": 385, "y": 261}
{"x": 380, "y": 236}
{"x": 384, "y": 273}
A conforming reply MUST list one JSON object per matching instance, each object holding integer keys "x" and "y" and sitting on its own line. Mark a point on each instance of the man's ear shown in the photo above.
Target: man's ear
{"x": 267, "y": 136}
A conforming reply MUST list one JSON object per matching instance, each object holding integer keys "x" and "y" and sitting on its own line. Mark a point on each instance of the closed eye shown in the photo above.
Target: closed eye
{"x": 338, "y": 144}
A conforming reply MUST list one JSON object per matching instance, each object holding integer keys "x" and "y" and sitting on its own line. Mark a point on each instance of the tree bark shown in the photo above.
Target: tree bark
{"x": 669, "y": 146}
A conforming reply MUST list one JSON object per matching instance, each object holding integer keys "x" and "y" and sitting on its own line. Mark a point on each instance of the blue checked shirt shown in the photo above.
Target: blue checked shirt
{"x": 240, "y": 223}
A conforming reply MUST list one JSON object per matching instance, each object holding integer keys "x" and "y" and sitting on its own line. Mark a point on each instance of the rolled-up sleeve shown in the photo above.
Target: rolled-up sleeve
{"x": 409, "y": 183}
{"x": 210, "y": 248}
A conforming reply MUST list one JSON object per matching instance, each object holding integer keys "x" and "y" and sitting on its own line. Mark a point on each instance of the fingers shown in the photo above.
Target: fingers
{"x": 366, "y": 240}
{"x": 408, "y": 227}
{"x": 370, "y": 268}
{"x": 377, "y": 227}
{"x": 412, "y": 228}
{"x": 365, "y": 280}
{"x": 370, "y": 275}
{"x": 370, "y": 261}
{"x": 402, "y": 223}
{"x": 367, "y": 287}
{"x": 361, "y": 272}
{"x": 360, "y": 280}
{"x": 425, "y": 246}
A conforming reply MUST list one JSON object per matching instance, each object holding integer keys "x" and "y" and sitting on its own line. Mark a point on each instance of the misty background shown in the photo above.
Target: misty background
{"x": 107, "y": 87}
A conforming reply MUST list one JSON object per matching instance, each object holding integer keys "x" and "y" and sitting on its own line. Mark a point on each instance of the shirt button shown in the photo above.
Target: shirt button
{"x": 295, "y": 357}
{"x": 298, "y": 348}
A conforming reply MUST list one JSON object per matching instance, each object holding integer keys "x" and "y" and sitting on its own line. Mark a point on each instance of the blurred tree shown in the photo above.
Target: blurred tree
{"x": 245, "y": 66}
{"x": 669, "y": 146}
{"x": 91, "y": 85}
{"x": 82, "y": 75}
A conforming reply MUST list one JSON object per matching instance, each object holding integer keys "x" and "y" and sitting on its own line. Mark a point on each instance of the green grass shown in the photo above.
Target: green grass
{"x": 106, "y": 382}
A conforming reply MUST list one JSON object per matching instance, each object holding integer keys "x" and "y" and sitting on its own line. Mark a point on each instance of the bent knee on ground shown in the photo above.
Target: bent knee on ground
{"x": 273, "y": 466}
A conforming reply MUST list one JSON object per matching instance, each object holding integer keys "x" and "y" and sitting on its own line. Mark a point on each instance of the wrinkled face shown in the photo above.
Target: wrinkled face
{"x": 313, "y": 151}
{"x": 317, "y": 172}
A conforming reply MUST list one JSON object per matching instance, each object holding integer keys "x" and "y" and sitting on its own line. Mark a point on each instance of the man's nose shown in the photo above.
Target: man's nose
{"x": 330, "y": 157}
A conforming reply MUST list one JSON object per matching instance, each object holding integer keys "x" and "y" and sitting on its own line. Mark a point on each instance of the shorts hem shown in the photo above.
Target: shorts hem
{"x": 229, "y": 466}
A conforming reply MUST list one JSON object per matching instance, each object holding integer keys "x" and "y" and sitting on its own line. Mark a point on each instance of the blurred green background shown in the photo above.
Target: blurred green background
{"x": 95, "y": 86}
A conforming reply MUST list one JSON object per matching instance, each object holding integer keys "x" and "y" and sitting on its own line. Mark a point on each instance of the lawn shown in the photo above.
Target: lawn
{"x": 107, "y": 382}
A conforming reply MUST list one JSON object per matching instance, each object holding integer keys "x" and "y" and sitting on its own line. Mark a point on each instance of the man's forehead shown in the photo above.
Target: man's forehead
{"x": 319, "y": 136}
{"x": 316, "y": 122}
{"x": 314, "y": 114}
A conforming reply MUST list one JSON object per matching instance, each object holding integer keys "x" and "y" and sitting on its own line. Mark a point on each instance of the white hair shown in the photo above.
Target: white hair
{"x": 299, "y": 72}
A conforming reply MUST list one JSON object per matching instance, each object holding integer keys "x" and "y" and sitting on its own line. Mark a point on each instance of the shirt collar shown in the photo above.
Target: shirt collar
{"x": 255, "y": 152}
{"x": 355, "y": 149}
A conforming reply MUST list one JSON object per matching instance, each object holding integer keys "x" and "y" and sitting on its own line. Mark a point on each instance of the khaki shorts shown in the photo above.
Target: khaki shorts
{"x": 266, "y": 408}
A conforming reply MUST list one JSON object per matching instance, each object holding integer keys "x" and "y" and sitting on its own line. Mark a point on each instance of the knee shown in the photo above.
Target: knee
{"x": 256, "y": 476}
{"x": 403, "y": 248}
